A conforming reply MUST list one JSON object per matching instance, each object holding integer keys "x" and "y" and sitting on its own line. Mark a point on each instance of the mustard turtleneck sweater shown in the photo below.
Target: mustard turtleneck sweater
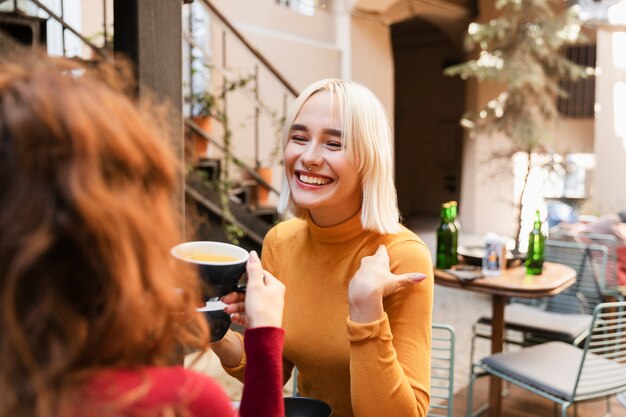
{"x": 361, "y": 369}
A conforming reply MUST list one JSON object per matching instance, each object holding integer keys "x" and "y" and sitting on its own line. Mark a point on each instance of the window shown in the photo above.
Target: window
{"x": 581, "y": 93}
{"x": 306, "y": 7}
{"x": 569, "y": 176}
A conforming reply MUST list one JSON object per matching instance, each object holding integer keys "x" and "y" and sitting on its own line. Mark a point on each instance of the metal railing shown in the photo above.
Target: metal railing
{"x": 59, "y": 17}
{"x": 257, "y": 61}
{"x": 250, "y": 48}
{"x": 238, "y": 162}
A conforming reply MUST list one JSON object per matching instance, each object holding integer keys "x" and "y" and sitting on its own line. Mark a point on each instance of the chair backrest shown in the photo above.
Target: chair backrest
{"x": 442, "y": 370}
{"x": 603, "y": 367}
{"x": 610, "y": 282}
{"x": 589, "y": 261}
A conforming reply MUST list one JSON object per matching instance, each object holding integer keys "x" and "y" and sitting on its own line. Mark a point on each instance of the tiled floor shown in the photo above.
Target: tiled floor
{"x": 521, "y": 403}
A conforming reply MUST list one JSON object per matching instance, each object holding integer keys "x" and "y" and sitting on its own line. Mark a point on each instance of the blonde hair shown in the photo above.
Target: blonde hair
{"x": 368, "y": 142}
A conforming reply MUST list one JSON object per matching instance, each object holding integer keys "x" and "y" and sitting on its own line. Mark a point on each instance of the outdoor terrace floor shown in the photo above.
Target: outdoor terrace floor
{"x": 521, "y": 403}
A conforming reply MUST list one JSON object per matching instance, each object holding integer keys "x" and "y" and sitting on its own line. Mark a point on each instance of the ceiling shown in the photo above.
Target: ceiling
{"x": 399, "y": 10}
{"x": 450, "y": 16}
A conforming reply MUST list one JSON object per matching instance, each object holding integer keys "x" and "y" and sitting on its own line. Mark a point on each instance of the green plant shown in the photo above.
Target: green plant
{"x": 203, "y": 104}
{"x": 521, "y": 49}
{"x": 209, "y": 103}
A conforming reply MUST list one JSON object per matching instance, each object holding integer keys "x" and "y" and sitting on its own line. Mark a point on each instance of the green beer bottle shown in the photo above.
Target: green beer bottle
{"x": 444, "y": 239}
{"x": 453, "y": 210}
{"x": 534, "y": 256}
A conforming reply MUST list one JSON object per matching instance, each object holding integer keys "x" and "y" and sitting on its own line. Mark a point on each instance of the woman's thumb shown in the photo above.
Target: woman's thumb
{"x": 401, "y": 281}
{"x": 410, "y": 278}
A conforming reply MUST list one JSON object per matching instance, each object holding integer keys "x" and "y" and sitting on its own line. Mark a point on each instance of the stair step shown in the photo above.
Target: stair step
{"x": 254, "y": 226}
{"x": 210, "y": 167}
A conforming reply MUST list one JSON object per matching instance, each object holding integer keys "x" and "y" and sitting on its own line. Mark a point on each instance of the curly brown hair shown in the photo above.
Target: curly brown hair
{"x": 87, "y": 220}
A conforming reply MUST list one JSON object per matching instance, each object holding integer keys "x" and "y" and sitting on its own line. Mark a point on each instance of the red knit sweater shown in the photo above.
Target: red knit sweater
{"x": 149, "y": 391}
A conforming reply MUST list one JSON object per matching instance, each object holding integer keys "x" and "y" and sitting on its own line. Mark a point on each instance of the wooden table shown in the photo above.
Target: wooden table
{"x": 512, "y": 283}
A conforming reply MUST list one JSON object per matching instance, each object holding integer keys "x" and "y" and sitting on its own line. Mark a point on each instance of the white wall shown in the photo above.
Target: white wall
{"x": 93, "y": 22}
{"x": 371, "y": 59}
{"x": 609, "y": 186}
{"x": 303, "y": 48}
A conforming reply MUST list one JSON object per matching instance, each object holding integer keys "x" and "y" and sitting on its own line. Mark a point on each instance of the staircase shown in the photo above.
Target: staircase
{"x": 239, "y": 203}
{"x": 23, "y": 27}
{"x": 248, "y": 214}
{"x": 19, "y": 30}
{"x": 8, "y": 44}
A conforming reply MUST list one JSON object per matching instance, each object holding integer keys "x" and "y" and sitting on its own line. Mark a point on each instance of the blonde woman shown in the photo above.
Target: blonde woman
{"x": 359, "y": 285}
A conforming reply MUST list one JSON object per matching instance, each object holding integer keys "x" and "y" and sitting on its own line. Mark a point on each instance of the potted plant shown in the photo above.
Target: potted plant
{"x": 208, "y": 107}
{"x": 264, "y": 165}
{"x": 204, "y": 108}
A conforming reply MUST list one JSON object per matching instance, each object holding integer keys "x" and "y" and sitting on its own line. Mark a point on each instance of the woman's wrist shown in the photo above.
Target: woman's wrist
{"x": 267, "y": 319}
{"x": 229, "y": 349}
{"x": 366, "y": 309}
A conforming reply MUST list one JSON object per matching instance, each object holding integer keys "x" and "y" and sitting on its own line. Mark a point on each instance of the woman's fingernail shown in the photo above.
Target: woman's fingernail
{"x": 253, "y": 256}
{"x": 418, "y": 277}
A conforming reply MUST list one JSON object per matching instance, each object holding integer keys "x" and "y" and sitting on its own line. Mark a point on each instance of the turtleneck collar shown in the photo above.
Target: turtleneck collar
{"x": 339, "y": 233}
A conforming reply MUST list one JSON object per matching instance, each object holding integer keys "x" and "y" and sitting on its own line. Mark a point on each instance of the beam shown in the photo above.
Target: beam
{"x": 149, "y": 33}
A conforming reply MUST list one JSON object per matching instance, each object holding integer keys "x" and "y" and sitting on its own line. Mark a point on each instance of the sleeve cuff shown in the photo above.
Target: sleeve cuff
{"x": 264, "y": 340}
{"x": 379, "y": 329}
{"x": 370, "y": 340}
{"x": 237, "y": 370}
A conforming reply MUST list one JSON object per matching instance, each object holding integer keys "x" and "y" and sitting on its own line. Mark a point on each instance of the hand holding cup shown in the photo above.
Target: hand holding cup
{"x": 263, "y": 303}
{"x": 221, "y": 267}
{"x": 265, "y": 296}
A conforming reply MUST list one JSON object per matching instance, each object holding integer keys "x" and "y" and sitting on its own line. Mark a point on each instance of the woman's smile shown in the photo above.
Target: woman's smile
{"x": 309, "y": 179}
{"x": 321, "y": 177}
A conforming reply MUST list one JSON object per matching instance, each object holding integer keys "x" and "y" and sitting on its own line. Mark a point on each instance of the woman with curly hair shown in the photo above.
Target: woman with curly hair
{"x": 92, "y": 306}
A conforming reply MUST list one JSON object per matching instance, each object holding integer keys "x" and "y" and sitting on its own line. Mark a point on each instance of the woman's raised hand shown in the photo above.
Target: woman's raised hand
{"x": 263, "y": 303}
{"x": 372, "y": 282}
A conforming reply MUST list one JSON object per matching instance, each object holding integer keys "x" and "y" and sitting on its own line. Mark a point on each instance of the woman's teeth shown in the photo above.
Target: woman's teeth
{"x": 314, "y": 180}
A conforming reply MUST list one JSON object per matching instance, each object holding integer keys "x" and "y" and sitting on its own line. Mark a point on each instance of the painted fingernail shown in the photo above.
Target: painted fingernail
{"x": 418, "y": 277}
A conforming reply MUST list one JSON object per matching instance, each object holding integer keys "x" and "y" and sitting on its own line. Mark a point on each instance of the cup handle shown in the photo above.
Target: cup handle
{"x": 242, "y": 284}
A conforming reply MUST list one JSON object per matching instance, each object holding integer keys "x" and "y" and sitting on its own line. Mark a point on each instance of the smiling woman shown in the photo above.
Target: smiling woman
{"x": 358, "y": 284}
{"x": 321, "y": 178}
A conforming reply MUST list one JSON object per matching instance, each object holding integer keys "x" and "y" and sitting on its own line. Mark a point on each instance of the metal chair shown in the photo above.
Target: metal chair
{"x": 294, "y": 389}
{"x": 610, "y": 283}
{"x": 564, "y": 373}
{"x": 441, "y": 371}
{"x": 562, "y": 317}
